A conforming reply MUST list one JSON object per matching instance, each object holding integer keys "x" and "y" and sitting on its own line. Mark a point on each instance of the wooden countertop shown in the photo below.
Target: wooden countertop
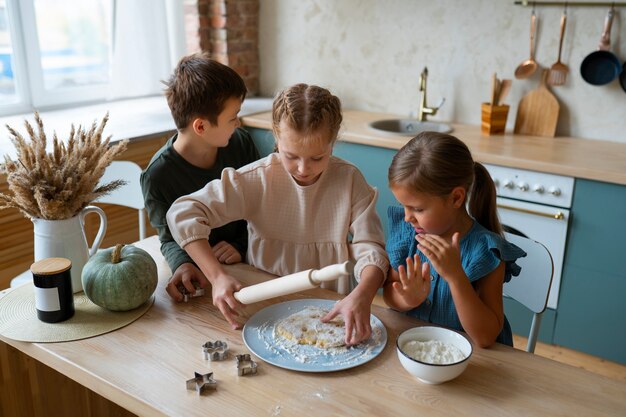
{"x": 581, "y": 158}
{"x": 143, "y": 367}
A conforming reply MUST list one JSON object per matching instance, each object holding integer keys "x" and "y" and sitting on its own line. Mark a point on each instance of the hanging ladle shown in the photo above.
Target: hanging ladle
{"x": 528, "y": 67}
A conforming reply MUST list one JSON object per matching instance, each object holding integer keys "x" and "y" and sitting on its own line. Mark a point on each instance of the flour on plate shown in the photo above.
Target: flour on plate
{"x": 433, "y": 351}
{"x": 329, "y": 357}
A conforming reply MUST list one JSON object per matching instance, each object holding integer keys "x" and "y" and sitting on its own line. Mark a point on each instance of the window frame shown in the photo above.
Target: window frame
{"x": 40, "y": 96}
{"x": 30, "y": 92}
{"x": 21, "y": 102}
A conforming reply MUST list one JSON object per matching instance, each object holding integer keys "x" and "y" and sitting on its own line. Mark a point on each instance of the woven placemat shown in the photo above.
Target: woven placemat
{"x": 18, "y": 318}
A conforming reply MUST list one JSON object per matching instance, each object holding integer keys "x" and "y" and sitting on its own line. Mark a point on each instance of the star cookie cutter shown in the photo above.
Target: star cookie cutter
{"x": 202, "y": 383}
{"x": 187, "y": 295}
{"x": 215, "y": 351}
{"x": 245, "y": 365}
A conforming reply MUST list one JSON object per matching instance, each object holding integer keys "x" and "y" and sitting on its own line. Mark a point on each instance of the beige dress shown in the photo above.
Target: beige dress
{"x": 291, "y": 227}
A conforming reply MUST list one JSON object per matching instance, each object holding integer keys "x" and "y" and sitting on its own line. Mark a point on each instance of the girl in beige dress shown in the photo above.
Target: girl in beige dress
{"x": 305, "y": 209}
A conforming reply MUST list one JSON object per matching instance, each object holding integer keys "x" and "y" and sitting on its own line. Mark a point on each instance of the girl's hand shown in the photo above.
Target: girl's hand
{"x": 414, "y": 282}
{"x": 223, "y": 299}
{"x": 356, "y": 314}
{"x": 226, "y": 253}
{"x": 445, "y": 256}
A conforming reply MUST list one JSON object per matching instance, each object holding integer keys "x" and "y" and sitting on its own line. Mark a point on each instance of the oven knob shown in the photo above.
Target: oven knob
{"x": 508, "y": 184}
{"x": 522, "y": 186}
{"x": 555, "y": 191}
{"x": 538, "y": 189}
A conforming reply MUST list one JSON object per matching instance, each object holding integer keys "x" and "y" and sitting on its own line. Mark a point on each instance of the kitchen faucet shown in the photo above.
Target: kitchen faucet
{"x": 424, "y": 109}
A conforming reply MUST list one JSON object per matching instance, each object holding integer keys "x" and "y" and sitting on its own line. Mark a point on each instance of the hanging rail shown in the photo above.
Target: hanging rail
{"x": 526, "y": 3}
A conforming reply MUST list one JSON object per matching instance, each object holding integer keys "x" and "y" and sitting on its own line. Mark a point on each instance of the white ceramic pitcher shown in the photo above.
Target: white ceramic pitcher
{"x": 66, "y": 239}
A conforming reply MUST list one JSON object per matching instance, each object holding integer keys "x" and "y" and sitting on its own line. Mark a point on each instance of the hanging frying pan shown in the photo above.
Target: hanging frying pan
{"x": 602, "y": 66}
{"x": 622, "y": 77}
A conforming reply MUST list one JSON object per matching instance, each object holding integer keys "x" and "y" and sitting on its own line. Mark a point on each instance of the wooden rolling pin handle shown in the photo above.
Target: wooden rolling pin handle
{"x": 332, "y": 272}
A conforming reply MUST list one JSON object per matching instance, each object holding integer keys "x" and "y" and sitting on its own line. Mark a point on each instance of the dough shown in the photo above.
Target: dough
{"x": 305, "y": 328}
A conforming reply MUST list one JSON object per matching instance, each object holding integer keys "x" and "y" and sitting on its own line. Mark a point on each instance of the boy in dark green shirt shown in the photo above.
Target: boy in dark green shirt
{"x": 204, "y": 97}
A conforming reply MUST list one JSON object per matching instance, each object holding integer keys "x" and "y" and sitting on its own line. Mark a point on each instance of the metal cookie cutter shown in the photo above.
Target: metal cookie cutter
{"x": 187, "y": 295}
{"x": 245, "y": 365}
{"x": 215, "y": 351}
{"x": 202, "y": 382}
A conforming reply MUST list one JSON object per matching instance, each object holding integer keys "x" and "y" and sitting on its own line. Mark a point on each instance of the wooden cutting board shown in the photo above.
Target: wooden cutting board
{"x": 538, "y": 111}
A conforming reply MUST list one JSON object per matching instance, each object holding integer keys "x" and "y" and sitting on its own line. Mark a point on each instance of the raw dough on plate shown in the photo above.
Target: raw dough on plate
{"x": 305, "y": 328}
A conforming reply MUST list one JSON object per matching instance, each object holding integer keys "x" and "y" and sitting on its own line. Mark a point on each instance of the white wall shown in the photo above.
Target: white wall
{"x": 371, "y": 52}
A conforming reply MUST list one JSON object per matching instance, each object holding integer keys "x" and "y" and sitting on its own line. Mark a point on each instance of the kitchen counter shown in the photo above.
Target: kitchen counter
{"x": 143, "y": 368}
{"x": 580, "y": 158}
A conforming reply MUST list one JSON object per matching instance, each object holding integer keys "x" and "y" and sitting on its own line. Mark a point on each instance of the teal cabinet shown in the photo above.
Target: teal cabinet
{"x": 263, "y": 139}
{"x": 592, "y": 310}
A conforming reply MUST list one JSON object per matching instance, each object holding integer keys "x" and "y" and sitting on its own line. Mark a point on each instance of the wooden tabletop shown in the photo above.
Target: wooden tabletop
{"x": 598, "y": 160}
{"x": 143, "y": 367}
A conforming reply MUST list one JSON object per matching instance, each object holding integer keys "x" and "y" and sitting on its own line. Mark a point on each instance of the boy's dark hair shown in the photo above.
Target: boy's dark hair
{"x": 199, "y": 87}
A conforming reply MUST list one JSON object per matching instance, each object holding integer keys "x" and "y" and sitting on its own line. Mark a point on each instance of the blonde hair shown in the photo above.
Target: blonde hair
{"x": 436, "y": 163}
{"x": 307, "y": 109}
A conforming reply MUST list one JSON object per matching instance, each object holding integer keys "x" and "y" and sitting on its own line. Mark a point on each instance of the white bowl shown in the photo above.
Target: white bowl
{"x": 428, "y": 372}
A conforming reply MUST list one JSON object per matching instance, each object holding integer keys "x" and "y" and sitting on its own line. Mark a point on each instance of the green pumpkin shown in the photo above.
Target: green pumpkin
{"x": 120, "y": 278}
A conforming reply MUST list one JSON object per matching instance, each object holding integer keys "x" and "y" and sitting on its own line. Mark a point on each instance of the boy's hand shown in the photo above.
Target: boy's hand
{"x": 413, "y": 285}
{"x": 226, "y": 253}
{"x": 223, "y": 288}
{"x": 185, "y": 275}
{"x": 356, "y": 314}
{"x": 445, "y": 256}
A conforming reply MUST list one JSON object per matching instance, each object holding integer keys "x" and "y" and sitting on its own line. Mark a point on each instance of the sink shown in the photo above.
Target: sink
{"x": 409, "y": 126}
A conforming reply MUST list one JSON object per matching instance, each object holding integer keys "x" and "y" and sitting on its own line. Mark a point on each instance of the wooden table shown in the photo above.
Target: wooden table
{"x": 143, "y": 368}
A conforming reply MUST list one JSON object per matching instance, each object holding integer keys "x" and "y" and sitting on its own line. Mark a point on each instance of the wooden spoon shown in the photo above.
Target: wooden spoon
{"x": 495, "y": 88}
{"x": 505, "y": 87}
{"x": 558, "y": 71}
{"x": 528, "y": 67}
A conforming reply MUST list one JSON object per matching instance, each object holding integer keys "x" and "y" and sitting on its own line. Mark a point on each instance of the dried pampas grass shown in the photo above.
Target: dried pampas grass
{"x": 58, "y": 185}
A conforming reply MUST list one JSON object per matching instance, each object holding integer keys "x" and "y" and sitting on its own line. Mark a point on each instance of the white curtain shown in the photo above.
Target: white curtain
{"x": 146, "y": 46}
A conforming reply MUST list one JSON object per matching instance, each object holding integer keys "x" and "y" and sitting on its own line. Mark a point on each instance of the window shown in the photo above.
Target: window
{"x": 74, "y": 42}
{"x": 8, "y": 92}
{"x": 56, "y": 53}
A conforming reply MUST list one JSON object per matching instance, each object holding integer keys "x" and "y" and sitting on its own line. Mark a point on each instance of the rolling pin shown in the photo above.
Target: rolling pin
{"x": 300, "y": 281}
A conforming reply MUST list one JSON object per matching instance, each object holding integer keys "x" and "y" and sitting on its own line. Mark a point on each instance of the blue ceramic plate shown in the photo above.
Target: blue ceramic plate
{"x": 258, "y": 335}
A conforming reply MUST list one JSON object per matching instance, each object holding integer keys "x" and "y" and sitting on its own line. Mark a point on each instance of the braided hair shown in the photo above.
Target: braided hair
{"x": 307, "y": 109}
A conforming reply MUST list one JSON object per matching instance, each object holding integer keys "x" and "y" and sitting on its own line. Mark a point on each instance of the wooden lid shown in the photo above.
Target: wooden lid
{"x": 50, "y": 266}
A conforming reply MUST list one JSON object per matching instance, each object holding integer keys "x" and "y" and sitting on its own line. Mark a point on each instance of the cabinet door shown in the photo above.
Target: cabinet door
{"x": 591, "y": 309}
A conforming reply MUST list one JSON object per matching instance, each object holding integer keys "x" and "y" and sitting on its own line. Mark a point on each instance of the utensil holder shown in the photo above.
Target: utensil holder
{"x": 493, "y": 119}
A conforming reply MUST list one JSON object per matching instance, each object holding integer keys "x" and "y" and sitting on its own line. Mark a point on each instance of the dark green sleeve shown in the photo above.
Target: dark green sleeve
{"x": 157, "y": 206}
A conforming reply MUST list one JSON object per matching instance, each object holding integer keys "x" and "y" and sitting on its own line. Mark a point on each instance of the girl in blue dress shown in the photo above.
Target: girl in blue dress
{"x": 448, "y": 256}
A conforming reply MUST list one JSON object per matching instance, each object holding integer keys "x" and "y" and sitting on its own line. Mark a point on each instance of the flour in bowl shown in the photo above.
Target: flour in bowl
{"x": 433, "y": 351}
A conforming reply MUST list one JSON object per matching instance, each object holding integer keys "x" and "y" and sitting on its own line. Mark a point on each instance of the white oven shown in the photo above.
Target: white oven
{"x": 536, "y": 205}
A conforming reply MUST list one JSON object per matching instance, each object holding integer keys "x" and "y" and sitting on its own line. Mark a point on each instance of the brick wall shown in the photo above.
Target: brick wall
{"x": 228, "y": 29}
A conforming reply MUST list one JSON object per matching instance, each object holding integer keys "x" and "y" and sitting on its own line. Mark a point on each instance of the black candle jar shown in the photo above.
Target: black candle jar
{"x": 54, "y": 298}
